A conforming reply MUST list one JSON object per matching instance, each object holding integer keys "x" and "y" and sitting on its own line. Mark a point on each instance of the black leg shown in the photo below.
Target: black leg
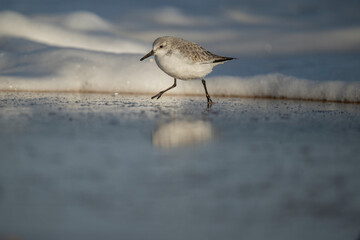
{"x": 157, "y": 96}
{"x": 209, "y": 101}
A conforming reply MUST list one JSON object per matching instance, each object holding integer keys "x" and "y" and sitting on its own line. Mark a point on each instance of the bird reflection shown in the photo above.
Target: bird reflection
{"x": 179, "y": 133}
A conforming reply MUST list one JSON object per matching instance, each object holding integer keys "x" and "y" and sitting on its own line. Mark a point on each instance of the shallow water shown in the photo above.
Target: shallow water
{"x": 85, "y": 166}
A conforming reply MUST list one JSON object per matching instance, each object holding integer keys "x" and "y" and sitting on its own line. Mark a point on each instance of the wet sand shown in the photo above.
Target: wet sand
{"x": 101, "y": 166}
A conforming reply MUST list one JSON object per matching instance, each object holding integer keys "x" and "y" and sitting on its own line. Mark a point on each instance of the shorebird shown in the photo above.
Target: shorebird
{"x": 183, "y": 60}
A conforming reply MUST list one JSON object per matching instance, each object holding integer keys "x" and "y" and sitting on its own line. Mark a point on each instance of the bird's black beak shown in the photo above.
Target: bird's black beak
{"x": 147, "y": 55}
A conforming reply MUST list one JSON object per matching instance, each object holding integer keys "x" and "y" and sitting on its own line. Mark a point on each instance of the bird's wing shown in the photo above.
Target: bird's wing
{"x": 198, "y": 54}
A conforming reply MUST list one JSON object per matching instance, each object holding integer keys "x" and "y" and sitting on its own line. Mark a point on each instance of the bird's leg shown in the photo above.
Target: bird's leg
{"x": 157, "y": 96}
{"x": 209, "y": 101}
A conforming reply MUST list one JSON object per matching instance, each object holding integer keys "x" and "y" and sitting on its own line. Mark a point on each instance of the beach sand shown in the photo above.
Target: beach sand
{"x": 103, "y": 166}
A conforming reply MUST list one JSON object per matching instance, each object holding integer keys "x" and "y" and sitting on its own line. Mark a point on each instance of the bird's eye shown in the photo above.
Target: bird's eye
{"x": 161, "y": 46}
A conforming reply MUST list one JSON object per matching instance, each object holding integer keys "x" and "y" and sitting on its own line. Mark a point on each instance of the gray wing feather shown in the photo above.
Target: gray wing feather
{"x": 197, "y": 53}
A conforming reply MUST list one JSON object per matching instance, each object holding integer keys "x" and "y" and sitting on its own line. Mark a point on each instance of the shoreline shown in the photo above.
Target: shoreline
{"x": 76, "y": 165}
{"x": 180, "y": 95}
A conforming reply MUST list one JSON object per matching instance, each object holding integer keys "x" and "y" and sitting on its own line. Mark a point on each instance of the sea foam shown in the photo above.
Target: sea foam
{"x": 81, "y": 52}
{"x": 82, "y": 30}
{"x": 75, "y": 70}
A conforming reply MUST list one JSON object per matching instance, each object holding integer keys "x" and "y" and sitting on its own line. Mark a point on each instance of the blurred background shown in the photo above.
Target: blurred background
{"x": 119, "y": 166}
{"x": 234, "y": 27}
{"x": 314, "y": 40}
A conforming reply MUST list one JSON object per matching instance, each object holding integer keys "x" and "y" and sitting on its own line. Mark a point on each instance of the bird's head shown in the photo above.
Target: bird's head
{"x": 161, "y": 46}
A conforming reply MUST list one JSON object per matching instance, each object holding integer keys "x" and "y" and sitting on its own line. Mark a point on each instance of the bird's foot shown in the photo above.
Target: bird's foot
{"x": 157, "y": 96}
{"x": 209, "y": 101}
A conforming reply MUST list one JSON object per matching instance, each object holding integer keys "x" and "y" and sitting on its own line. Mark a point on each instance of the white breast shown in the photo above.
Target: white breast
{"x": 179, "y": 67}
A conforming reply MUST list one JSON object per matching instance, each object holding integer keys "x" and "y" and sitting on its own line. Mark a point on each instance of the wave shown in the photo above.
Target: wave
{"x": 220, "y": 31}
{"x": 52, "y": 69}
{"x": 83, "y": 30}
{"x": 82, "y": 52}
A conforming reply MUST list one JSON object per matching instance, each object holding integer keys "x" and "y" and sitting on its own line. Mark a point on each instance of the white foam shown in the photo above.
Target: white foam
{"x": 227, "y": 31}
{"x": 78, "y": 30}
{"x": 243, "y": 17}
{"x": 64, "y": 69}
{"x": 220, "y": 31}
{"x": 81, "y": 52}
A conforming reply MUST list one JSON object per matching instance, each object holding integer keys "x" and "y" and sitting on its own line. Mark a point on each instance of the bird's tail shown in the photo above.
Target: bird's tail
{"x": 223, "y": 59}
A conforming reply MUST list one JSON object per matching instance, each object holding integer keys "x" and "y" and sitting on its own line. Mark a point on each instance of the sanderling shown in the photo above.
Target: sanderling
{"x": 184, "y": 60}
